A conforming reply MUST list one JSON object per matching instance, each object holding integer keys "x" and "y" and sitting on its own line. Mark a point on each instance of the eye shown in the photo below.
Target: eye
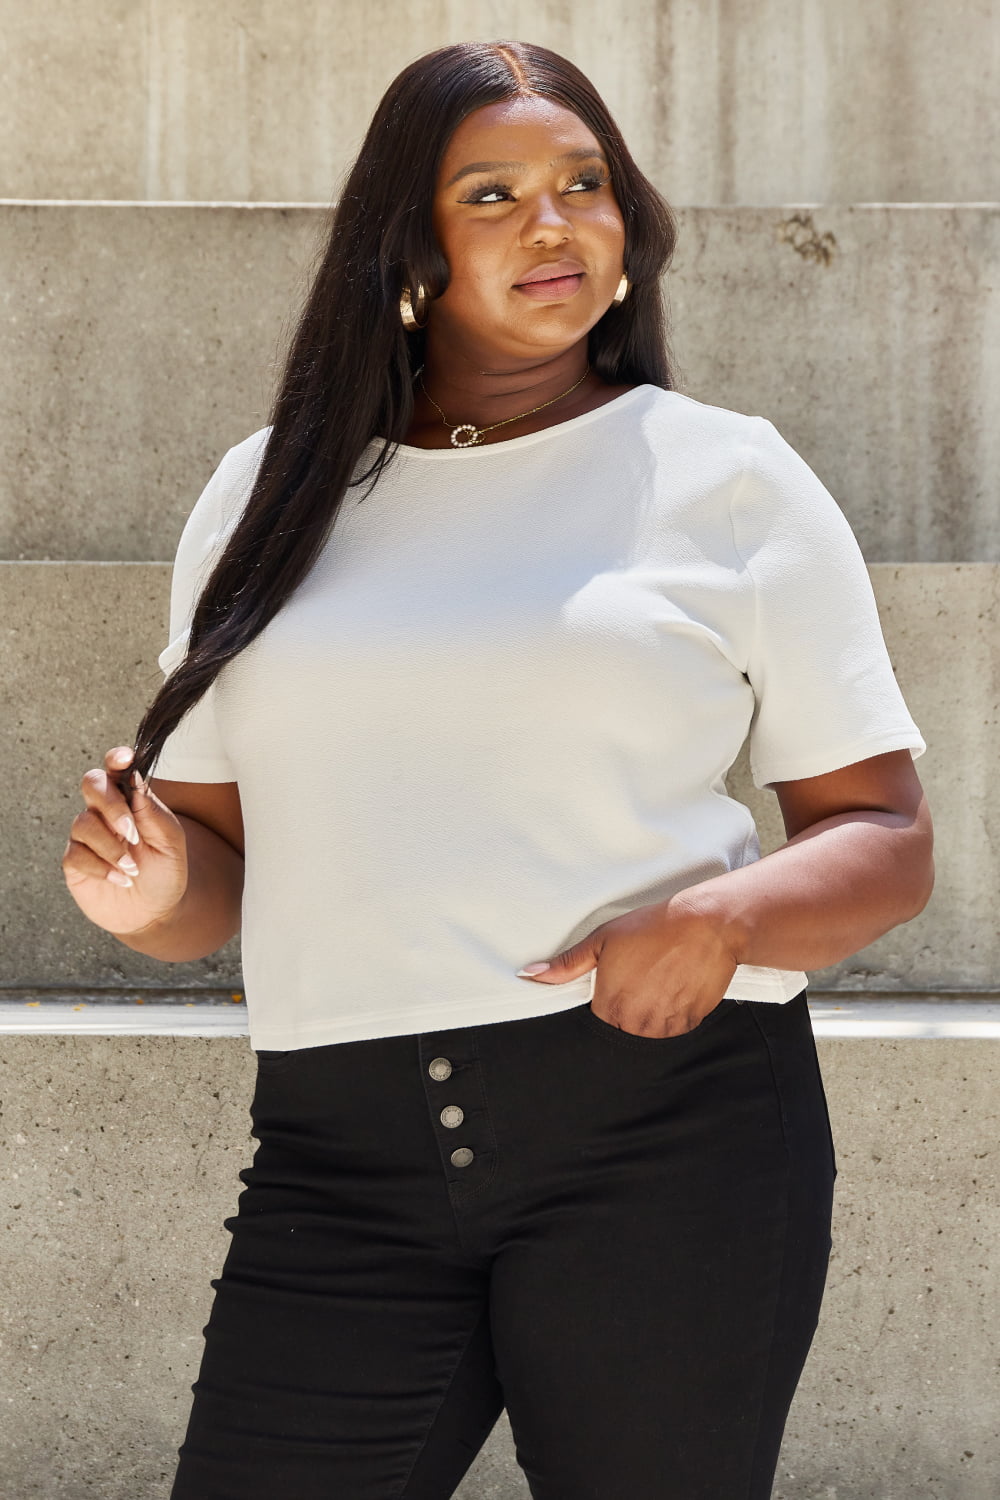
{"x": 481, "y": 195}
{"x": 589, "y": 180}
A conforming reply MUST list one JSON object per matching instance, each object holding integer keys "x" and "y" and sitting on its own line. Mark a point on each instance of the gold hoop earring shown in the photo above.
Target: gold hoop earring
{"x": 406, "y": 311}
{"x": 622, "y": 291}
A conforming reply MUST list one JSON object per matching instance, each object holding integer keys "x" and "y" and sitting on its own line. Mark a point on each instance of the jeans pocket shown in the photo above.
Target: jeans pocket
{"x": 615, "y": 1034}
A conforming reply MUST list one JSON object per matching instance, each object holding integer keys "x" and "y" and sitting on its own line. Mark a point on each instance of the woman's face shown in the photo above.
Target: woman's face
{"x": 524, "y": 184}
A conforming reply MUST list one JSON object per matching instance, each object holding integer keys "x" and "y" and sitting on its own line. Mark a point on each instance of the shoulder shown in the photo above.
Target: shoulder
{"x": 205, "y": 532}
{"x": 774, "y": 496}
{"x": 249, "y": 450}
{"x": 228, "y": 487}
{"x": 220, "y": 503}
{"x": 701, "y": 449}
{"x": 234, "y": 477}
{"x": 721, "y": 435}
{"x": 768, "y": 462}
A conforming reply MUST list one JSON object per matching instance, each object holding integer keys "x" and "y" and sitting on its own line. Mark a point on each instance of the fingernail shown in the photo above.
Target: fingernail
{"x": 126, "y": 828}
{"x": 118, "y": 877}
{"x": 530, "y": 970}
{"x": 138, "y": 783}
{"x": 128, "y": 864}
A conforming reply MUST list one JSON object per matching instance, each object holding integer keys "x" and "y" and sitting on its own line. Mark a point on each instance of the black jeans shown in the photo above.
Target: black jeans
{"x": 621, "y": 1239}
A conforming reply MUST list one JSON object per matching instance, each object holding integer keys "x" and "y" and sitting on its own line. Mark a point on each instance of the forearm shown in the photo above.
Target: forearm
{"x": 209, "y": 912}
{"x": 828, "y": 892}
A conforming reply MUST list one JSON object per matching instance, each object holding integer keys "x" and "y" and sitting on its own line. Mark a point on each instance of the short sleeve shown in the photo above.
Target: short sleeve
{"x": 194, "y": 750}
{"x": 826, "y": 694}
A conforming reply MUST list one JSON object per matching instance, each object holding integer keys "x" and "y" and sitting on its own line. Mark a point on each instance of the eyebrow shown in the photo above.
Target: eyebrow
{"x": 580, "y": 154}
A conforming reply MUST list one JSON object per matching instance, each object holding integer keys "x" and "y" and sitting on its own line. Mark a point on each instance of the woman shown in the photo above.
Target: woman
{"x": 539, "y": 1115}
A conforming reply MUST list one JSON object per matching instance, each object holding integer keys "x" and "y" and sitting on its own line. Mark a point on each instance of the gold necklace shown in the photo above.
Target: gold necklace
{"x": 475, "y": 434}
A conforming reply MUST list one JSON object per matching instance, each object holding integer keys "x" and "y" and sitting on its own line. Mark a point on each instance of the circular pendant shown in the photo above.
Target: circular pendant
{"x": 468, "y": 442}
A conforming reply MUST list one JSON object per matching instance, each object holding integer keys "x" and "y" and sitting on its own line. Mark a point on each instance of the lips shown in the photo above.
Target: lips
{"x": 552, "y": 271}
{"x": 556, "y": 289}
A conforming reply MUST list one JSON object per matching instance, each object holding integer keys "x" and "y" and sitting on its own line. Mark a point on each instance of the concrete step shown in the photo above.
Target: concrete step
{"x": 78, "y": 664}
{"x": 720, "y": 103}
{"x": 124, "y": 1156}
{"x": 870, "y": 1017}
{"x": 140, "y": 342}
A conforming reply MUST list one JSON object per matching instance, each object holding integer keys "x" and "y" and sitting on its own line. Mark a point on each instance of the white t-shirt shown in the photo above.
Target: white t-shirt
{"x": 500, "y": 709}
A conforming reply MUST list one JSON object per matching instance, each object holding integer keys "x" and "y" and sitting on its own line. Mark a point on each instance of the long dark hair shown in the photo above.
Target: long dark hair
{"x": 348, "y": 375}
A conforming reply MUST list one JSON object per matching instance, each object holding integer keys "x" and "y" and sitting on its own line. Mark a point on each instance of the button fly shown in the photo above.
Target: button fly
{"x": 440, "y": 1069}
{"x": 462, "y": 1156}
{"x": 452, "y": 1116}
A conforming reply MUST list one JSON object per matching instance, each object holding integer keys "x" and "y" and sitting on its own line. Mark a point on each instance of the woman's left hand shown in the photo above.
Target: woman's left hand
{"x": 660, "y": 968}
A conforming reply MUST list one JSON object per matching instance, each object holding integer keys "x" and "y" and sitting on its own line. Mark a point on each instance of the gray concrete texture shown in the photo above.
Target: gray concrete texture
{"x": 78, "y": 664}
{"x": 77, "y": 667}
{"x": 733, "y": 101}
{"x": 141, "y": 342}
{"x": 123, "y": 1157}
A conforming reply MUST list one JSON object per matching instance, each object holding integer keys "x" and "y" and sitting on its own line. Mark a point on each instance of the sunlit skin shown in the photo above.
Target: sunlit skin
{"x": 493, "y": 352}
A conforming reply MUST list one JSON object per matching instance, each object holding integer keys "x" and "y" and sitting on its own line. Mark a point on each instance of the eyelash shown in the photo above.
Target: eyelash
{"x": 503, "y": 187}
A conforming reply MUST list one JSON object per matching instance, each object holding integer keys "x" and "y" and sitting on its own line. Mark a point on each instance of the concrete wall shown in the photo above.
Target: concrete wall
{"x": 78, "y": 663}
{"x": 722, "y": 101}
{"x": 871, "y": 338}
{"x": 123, "y": 1159}
{"x": 142, "y": 342}
{"x": 77, "y": 667}
{"x": 139, "y": 344}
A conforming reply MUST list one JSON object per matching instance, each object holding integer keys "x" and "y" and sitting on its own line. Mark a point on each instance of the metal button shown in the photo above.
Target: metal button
{"x": 462, "y": 1156}
{"x": 451, "y": 1116}
{"x": 440, "y": 1069}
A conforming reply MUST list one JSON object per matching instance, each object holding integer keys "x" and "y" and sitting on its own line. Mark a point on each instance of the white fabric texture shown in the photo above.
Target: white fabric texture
{"x": 500, "y": 709}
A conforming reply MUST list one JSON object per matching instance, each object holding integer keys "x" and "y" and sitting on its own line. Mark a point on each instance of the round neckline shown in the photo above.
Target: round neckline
{"x": 571, "y": 424}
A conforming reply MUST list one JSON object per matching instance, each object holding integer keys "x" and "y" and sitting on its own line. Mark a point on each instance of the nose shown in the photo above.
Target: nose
{"x": 546, "y": 222}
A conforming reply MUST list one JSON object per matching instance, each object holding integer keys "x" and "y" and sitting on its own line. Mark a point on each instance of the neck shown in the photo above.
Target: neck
{"x": 482, "y": 391}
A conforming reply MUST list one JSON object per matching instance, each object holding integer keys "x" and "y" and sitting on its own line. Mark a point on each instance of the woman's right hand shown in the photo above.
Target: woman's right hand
{"x": 125, "y": 869}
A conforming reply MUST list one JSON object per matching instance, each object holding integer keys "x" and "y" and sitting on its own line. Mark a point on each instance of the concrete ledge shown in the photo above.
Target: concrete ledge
{"x": 862, "y": 1018}
{"x": 872, "y": 1019}
{"x": 142, "y": 341}
{"x": 75, "y": 1017}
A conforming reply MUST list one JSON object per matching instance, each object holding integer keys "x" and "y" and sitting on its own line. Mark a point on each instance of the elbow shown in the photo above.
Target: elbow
{"x": 918, "y": 864}
{"x": 924, "y": 889}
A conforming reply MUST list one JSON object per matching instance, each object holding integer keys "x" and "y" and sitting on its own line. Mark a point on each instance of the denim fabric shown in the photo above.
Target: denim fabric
{"x": 632, "y": 1263}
